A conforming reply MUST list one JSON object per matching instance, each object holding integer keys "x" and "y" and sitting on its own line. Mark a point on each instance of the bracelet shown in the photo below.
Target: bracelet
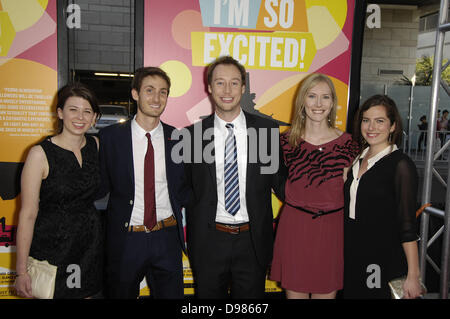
{"x": 24, "y": 273}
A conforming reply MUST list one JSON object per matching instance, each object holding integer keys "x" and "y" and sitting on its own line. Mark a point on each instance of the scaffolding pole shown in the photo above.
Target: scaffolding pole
{"x": 443, "y": 26}
{"x": 446, "y": 242}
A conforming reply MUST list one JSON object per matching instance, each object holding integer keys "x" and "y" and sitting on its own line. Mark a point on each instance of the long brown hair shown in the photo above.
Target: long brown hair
{"x": 299, "y": 116}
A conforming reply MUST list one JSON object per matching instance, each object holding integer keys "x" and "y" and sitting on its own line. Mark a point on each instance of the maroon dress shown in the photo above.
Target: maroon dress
{"x": 308, "y": 252}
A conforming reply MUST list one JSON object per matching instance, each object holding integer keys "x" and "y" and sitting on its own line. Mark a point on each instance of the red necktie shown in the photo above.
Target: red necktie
{"x": 149, "y": 186}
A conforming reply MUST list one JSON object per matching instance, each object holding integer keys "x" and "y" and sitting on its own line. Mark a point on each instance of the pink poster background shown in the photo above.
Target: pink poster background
{"x": 167, "y": 38}
{"x": 168, "y": 25}
{"x": 29, "y": 63}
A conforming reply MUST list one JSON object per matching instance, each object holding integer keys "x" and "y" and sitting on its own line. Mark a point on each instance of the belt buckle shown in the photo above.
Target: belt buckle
{"x": 318, "y": 214}
{"x": 234, "y": 230}
{"x": 147, "y": 230}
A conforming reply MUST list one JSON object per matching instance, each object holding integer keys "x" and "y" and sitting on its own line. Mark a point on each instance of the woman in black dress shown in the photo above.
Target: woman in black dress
{"x": 380, "y": 203}
{"x": 58, "y": 221}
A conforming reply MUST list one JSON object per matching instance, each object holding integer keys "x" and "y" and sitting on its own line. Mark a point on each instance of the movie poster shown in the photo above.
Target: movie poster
{"x": 279, "y": 42}
{"x": 28, "y": 84}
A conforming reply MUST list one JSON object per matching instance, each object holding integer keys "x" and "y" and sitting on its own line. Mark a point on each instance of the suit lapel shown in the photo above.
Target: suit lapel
{"x": 126, "y": 140}
{"x": 251, "y": 167}
{"x": 168, "y": 145}
{"x": 208, "y": 123}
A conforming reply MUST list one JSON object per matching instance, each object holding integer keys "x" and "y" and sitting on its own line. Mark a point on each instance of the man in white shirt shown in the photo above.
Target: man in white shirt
{"x": 145, "y": 236}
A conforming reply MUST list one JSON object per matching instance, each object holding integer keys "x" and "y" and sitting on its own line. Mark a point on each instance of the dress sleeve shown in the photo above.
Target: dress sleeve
{"x": 406, "y": 184}
{"x": 284, "y": 145}
{"x": 104, "y": 176}
{"x": 352, "y": 150}
{"x": 279, "y": 178}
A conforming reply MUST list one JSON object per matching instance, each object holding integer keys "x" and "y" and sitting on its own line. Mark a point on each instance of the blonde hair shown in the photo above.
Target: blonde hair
{"x": 299, "y": 116}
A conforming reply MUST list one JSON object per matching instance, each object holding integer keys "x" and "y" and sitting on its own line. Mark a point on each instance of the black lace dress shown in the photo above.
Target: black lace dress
{"x": 69, "y": 230}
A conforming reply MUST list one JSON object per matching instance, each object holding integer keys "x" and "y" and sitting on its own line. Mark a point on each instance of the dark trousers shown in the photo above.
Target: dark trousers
{"x": 156, "y": 256}
{"x": 422, "y": 138}
{"x": 231, "y": 267}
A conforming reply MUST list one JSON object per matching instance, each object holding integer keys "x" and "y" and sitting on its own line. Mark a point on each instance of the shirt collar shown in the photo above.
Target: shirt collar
{"x": 371, "y": 161}
{"x": 139, "y": 131}
{"x": 238, "y": 123}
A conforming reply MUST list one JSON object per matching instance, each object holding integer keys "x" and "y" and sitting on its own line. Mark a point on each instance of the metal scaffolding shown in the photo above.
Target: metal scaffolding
{"x": 430, "y": 157}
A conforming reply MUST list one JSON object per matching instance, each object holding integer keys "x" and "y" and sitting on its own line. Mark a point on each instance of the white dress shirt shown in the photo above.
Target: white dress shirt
{"x": 220, "y": 135}
{"x": 355, "y": 170}
{"x": 140, "y": 143}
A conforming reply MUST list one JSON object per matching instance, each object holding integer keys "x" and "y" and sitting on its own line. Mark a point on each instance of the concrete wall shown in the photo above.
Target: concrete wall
{"x": 426, "y": 45}
{"x": 105, "y": 41}
{"x": 391, "y": 47}
{"x": 426, "y": 40}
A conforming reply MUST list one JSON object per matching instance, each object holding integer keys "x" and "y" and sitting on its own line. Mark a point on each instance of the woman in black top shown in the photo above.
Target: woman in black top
{"x": 380, "y": 204}
{"x": 58, "y": 221}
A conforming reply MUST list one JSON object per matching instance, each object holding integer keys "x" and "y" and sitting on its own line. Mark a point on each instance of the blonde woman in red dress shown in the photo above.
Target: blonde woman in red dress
{"x": 308, "y": 252}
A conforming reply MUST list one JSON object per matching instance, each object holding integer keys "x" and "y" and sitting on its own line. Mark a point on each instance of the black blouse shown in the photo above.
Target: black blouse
{"x": 385, "y": 211}
{"x": 392, "y": 183}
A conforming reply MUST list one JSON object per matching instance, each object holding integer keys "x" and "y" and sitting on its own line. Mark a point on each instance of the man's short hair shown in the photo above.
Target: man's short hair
{"x": 225, "y": 60}
{"x": 141, "y": 73}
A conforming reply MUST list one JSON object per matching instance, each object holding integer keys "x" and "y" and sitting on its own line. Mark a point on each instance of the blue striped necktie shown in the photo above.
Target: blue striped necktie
{"x": 232, "y": 198}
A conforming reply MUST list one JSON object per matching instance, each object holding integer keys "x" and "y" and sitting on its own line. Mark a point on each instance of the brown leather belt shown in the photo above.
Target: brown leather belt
{"x": 168, "y": 222}
{"x": 232, "y": 229}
